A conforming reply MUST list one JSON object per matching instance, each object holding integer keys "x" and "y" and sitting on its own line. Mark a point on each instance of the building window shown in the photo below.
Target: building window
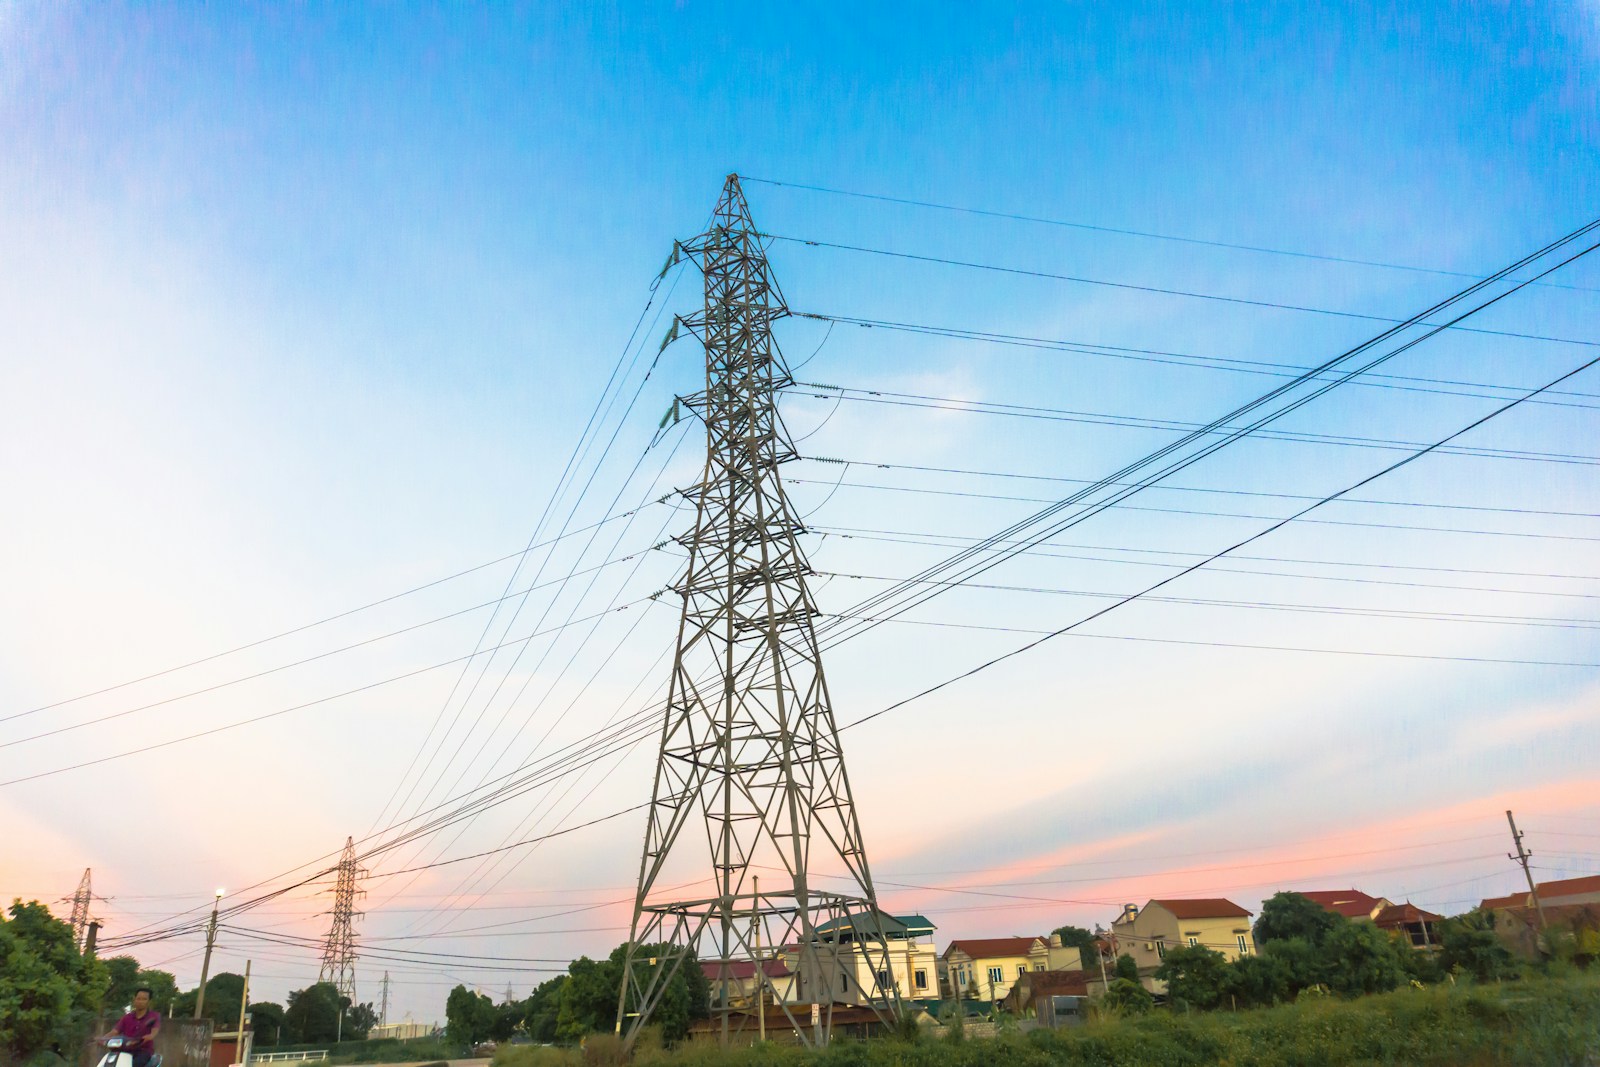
{"x": 961, "y": 976}
{"x": 996, "y": 976}
{"x": 1161, "y": 949}
{"x": 844, "y": 976}
{"x": 1244, "y": 948}
{"x": 921, "y": 979}
{"x": 1194, "y": 942}
{"x": 883, "y": 980}
{"x": 1036, "y": 966}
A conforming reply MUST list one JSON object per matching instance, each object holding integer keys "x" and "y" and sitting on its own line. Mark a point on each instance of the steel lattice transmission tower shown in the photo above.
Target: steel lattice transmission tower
{"x": 339, "y": 951}
{"x": 82, "y": 901}
{"x": 749, "y": 746}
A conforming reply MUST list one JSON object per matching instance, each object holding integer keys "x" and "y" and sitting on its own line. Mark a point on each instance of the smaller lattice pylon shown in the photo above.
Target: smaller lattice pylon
{"x": 82, "y": 900}
{"x": 339, "y": 951}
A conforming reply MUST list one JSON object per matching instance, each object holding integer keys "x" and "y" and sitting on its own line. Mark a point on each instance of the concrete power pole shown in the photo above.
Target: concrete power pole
{"x": 205, "y": 967}
{"x": 1522, "y": 856}
{"x": 749, "y": 748}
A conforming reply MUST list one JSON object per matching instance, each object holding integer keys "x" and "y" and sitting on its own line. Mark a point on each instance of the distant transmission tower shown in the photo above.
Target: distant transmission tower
{"x": 339, "y": 952}
{"x": 82, "y": 900}
{"x": 383, "y": 1012}
{"x": 749, "y": 746}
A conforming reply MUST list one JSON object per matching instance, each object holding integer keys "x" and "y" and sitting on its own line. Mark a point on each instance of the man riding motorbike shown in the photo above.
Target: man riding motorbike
{"x": 138, "y": 1029}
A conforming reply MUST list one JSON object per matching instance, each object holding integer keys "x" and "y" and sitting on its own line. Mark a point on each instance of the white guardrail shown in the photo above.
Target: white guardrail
{"x": 288, "y": 1057}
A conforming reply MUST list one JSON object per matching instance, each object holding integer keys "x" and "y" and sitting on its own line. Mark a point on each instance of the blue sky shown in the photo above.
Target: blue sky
{"x": 307, "y": 307}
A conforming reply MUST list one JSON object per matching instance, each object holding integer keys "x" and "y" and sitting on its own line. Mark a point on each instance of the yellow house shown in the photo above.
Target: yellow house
{"x": 1147, "y": 933}
{"x": 984, "y": 968}
{"x": 863, "y": 976}
{"x": 1049, "y": 954}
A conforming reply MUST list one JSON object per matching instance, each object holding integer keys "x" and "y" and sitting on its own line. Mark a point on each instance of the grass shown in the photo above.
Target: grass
{"x": 1534, "y": 1023}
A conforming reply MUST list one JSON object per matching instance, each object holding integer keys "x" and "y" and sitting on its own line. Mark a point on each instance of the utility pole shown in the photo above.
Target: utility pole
{"x": 750, "y": 748}
{"x": 81, "y": 902}
{"x": 244, "y": 1009}
{"x": 205, "y": 967}
{"x": 761, "y": 964}
{"x": 91, "y": 937}
{"x": 1522, "y": 856}
{"x": 383, "y": 1011}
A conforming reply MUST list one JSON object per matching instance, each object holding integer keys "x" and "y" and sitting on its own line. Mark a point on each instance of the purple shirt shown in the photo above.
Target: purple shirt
{"x": 137, "y": 1030}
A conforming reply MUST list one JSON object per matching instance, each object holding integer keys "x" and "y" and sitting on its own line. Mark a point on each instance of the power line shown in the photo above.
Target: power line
{"x": 1161, "y": 291}
{"x": 1474, "y": 424}
{"x": 1231, "y": 246}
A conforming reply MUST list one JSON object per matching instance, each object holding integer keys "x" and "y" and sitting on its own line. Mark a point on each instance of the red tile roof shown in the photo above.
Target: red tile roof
{"x": 1351, "y": 903}
{"x": 989, "y": 947}
{"x": 1204, "y": 908}
{"x": 1395, "y": 914}
{"x": 739, "y": 970}
{"x": 1556, "y": 890}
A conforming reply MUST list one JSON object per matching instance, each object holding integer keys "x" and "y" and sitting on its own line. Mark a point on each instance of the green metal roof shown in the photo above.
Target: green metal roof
{"x": 892, "y": 924}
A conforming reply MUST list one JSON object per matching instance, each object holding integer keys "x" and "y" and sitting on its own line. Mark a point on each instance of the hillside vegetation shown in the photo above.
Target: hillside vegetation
{"x": 1546, "y": 1022}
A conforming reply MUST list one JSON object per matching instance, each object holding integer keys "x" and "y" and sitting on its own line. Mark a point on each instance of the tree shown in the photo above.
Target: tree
{"x": 267, "y": 1024}
{"x": 1127, "y": 968}
{"x": 1303, "y": 963}
{"x": 540, "y": 1010}
{"x": 468, "y": 1016}
{"x": 49, "y": 993}
{"x": 588, "y": 999}
{"x": 122, "y": 974}
{"x": 686, "y": 998}
{"x": 163, "y": 988}
{"x": 1075, "y": 937}
{"x": 1256, "y": 981}
{"x": 1194, "y": 976}
{"x": 223, "y": 992}
{"x": 1290, "y": 915}
{"x": 312, "y": 1015}
{"x": 1471, "y": 947}
{"x": 1128, "y": 998}
{"x": 359, "y": 1019}
{"x": 1362, "y": 959}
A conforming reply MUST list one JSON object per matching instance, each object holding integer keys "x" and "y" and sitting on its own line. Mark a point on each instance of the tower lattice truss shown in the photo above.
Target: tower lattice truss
{"x": 339, "y": 951}
{"x": 750, "y": 782}
{"x": 82, "y": 901}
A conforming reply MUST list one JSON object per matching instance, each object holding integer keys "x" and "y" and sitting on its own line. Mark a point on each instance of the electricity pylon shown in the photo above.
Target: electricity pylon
{"x": 339, "y": 951}
{"x": 749, "y": 744}
{"x": 82, "y": 901}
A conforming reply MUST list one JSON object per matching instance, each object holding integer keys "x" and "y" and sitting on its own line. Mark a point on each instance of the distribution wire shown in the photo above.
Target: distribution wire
{"x": 1278, "y": 525}
{"x": 1014, "y": 217}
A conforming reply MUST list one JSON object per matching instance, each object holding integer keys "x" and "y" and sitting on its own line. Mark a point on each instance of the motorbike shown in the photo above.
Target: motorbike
{"x": 119, "y": 1053}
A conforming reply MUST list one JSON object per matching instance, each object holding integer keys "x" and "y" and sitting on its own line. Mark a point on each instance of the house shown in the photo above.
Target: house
{"x": 743, "y": 984}
{"x": 1147, "y": 933}
{"x": 851, "y": 944}
{"x": 1049, "y": 954}
{"x": 1563, "y": 891}
{"x": 1351, "y": 903}
{"x": 1035, "y": 986}
{"x": 1413, "y": 923}
{"x": 985, "y": 968}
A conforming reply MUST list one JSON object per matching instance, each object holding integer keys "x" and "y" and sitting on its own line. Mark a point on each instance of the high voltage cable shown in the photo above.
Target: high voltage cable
{"x": 921, "y": 538}
{"x": 1160, "y": 291}
{"x": 1551, "y": 622}
{"x": 922, "y": 491}
{"x": 967, "y": 559}
{"x": 1200, "y": 489}
{"x": 1332, "y": 363}
{"x": 1014, "y": 217}
{"x": 579, "y": 450}
{"x": 1134, "y": 422}
{"x": 1139, "y": 639}
{"x": 1193, "y": 361}
{"x": 1223, "y": 552}
{"x": 331, "y": 652}
{"x": 304, "y": 626}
